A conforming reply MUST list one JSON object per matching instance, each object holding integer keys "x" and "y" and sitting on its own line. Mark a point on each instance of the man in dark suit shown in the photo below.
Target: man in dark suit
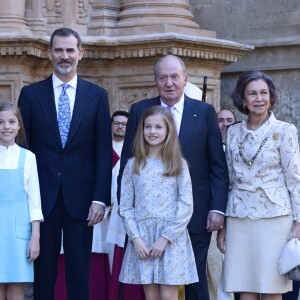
{"x": 201, "y": 145}
{"x": 68, "y": 128}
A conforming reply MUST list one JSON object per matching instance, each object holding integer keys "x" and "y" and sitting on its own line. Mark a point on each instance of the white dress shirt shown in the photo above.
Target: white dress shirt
{"x": 177, "y": 111}
{"x": 9, "y": 159}
{"x": 71, "y": 91}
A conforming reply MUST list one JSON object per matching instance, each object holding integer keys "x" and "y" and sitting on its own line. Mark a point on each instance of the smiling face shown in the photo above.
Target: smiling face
{"x": 65, "y": 55}
{"x": 257, "y": 98}
{"x": 9, "y": 128}
{"x": 155, "y": 131}
{"x": 170, "y": 80}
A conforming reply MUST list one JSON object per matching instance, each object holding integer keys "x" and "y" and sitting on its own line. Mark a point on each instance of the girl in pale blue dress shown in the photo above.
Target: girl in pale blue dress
{"x": 156, "y": 205}
{"x": 20, "y": 206}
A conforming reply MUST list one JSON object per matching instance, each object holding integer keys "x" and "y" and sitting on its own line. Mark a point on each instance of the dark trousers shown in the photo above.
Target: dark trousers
{"x": 199, "y": 290}
{"x": 294, "y": 294}
{"x": 77, "y": 242}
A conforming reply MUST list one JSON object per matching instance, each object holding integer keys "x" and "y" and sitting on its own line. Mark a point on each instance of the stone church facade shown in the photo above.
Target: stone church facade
{"x": 273, "y": 28}
{"x": 122, "y": 40}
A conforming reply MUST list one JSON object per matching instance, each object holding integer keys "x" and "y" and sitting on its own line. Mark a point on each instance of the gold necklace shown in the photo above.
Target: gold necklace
{"x": 251, "y": 161}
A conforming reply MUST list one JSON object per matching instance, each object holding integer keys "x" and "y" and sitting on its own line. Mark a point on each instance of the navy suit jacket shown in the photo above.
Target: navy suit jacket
{"x": 202, "y": 147}
{"x": 83, "y": 168}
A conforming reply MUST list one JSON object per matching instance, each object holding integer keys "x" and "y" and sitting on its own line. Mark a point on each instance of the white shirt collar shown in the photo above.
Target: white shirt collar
{"x": 9, "y": 148}
{"x": 57, "y": 82}
{"x": 179, "y": 105}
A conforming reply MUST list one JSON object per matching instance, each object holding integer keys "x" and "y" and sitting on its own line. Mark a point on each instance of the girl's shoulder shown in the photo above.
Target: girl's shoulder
{"x": 185, "y": 167}
{"x": 130, "y": 162}
{"x": 184, "y": 163}
{"x": 29, "y": 155}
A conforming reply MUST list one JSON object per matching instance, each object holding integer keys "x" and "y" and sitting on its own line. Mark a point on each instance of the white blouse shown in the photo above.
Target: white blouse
{"x": 270, "y": 187}
{"x": 9, "y": 159}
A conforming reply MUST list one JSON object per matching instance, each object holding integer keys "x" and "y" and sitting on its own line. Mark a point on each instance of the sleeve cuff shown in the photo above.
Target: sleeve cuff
{"x": 99, "y": 202}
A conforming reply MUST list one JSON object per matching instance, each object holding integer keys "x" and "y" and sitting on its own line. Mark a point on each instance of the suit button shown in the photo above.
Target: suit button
{"x": 58, "y": 173}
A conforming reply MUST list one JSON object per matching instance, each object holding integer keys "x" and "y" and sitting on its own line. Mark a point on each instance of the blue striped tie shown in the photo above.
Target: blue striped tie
{"x": 64, "y": 114}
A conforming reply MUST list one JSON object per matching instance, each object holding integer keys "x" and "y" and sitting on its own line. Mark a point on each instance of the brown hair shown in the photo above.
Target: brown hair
{"x": 8, "y": 105}
{"x": 65, "y": 32}
{"x": 170, "y": 150}
{"x": 238, "y": 95}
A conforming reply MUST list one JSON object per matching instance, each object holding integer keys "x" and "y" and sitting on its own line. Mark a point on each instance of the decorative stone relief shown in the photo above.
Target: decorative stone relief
{"x": 28, "y": 4}
{"x": 135, "y": 94}
{"x": 5, "y": 91}
{"x": 52, "y": 11}
{"x": 83, "y": 17}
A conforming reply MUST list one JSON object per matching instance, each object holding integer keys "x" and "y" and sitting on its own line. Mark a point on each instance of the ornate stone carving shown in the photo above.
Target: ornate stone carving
{"x": 12, "y": 19}
{"x": 104, "y": 17}
{"x": 83, "y": 17}
{"x": 6, "y": 90}
{"x": 52, "y": 11}
{"x": 136, "y": 93}
{"x": 33, "y": 15}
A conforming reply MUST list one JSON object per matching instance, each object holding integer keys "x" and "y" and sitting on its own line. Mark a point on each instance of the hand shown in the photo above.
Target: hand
{"x": 33, "y": 249}
{"x": 158, "y": 247}
{"x": 140, "y": 248}
{"x": 215, "y": 221}
{"x": 221, "y": 239}
{"x": 295, "y": 232}
{"x": 96, "y": 214}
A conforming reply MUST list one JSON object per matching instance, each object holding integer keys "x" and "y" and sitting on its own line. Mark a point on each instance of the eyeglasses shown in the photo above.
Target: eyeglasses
{"x": 118, "y": 124}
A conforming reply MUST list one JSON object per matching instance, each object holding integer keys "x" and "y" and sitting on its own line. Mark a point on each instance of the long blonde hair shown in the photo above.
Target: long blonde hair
{"x": 170, "y": 151}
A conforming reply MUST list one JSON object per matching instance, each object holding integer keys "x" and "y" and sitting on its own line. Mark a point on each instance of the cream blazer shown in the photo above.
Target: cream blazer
{"x": 271, "y": 186}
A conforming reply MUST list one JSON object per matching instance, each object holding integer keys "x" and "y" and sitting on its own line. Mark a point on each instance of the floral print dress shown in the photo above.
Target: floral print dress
{"x": 153, "y": 206}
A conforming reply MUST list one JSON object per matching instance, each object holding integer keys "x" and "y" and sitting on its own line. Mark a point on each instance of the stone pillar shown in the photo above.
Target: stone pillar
{"x": 104, "y": 17}
{"x": 157, "y": 16}
{"x": 33, "y": 14}
{"x": 12, "y": 17}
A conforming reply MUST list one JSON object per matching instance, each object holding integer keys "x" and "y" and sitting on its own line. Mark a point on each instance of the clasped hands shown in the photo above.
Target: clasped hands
{"x": 155, "y": 250}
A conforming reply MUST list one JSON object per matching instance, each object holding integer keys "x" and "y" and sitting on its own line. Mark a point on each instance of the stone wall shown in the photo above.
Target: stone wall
{"x": 273, "y": 28}
{"x": 122, "y": 41}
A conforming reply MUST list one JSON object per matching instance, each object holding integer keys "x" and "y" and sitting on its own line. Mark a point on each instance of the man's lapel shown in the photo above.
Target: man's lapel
{"x": 188, "y": 122}
{"x": 47, "y": 105}
{"x": 79, "y": 108}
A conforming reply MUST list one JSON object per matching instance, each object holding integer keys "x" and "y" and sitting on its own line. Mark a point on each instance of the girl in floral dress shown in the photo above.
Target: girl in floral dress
{"x": 156, "y": 205}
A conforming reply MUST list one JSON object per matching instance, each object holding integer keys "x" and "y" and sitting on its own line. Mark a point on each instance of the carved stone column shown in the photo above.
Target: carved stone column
{"x": 12, "y": 17}
{"x": 104, "y": 17}
{"x": 33, "y": 14}
{"x": 157, "y": 16}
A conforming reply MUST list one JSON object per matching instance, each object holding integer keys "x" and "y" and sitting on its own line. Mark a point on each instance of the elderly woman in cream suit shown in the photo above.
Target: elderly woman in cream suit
{"x": 263, "y": 209}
